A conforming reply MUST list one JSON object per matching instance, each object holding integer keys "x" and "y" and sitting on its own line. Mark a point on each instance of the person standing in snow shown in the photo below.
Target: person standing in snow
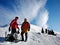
{"x": 14, "y": 25}
{"x": 24, "y": 29}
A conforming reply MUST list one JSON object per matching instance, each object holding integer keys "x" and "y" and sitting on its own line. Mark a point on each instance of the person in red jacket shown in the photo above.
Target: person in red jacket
{"x": 14, "y": 25}
{"x": 24, "y": 29}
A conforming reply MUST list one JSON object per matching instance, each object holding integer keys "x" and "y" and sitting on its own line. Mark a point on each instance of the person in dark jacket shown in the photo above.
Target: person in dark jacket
{"x": 14, "y": 25}
{"x": 24, "y": 29}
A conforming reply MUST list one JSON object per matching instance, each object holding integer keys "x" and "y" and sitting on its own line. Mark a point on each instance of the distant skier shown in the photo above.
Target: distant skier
{"x": 14, "y": 25}
{"x": 24, "y": 29}
{"x": 46, "y": 30}
{"x": 42, "y": 31}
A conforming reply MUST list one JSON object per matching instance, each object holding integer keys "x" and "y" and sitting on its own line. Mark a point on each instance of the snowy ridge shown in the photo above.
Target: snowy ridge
{"x": 34, "y": 38}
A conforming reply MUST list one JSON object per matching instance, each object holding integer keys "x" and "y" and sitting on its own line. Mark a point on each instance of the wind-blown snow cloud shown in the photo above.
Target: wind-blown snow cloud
{"x": 31, "y": 9}
{"x": 42, "y": 18}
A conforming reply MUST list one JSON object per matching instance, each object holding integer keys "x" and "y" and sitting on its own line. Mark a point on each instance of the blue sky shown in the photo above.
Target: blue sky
{"x": 53, "y": 6}
{"x": 44, "y": 13}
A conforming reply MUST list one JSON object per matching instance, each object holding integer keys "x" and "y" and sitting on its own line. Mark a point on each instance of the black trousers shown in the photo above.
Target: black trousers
{"x": 11, "y": 38}
{"x": 22, "y": 35}
{"x": 13, "y": 31}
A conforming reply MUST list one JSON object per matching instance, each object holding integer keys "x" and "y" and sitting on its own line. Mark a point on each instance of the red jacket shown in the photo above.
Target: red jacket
{"x": 25, "y": 27}
{"x": 14, "y": 24}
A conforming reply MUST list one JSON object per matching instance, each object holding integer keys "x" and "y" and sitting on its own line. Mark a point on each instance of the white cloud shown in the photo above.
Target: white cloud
{"x": 29, "y": 9}
{"x": 43, "y": 18}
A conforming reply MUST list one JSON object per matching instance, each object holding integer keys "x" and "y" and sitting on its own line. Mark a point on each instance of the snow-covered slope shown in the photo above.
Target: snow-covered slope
{"x": 34, "y": 37}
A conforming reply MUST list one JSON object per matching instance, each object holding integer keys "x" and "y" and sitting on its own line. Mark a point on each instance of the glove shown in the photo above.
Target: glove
{"x": 18, "y": 32}
{"x": 9, "y": 28}
{"x": 29, "y": 28}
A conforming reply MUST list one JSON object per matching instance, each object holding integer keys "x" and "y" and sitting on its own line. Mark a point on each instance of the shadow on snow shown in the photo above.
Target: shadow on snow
{"x": 2, "y": 39}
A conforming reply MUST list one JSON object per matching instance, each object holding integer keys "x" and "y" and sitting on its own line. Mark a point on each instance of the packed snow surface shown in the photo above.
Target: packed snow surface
{"x": 34, "y": 37}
